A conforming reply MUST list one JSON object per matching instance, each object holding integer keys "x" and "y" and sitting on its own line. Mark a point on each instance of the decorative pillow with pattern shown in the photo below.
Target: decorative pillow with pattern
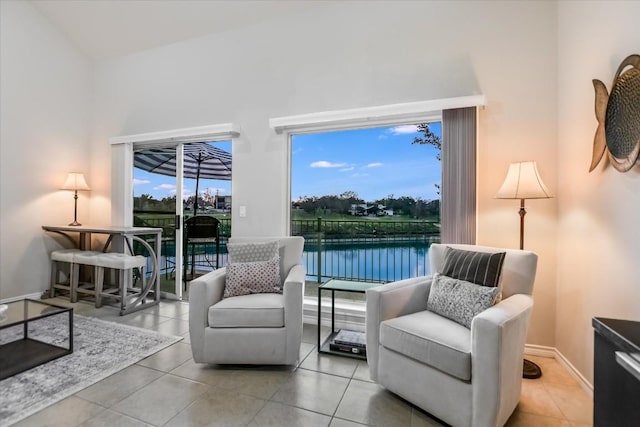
{"x": 481, "y": 268}
{"x": 257, "y": 277}
{"x": 459, "y": 300}
{"x": 250, "y": 252}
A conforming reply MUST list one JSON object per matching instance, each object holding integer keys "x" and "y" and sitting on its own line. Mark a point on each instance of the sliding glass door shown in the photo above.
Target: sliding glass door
{"x": 157, "y": 202}
{"x": 172, "y": 185}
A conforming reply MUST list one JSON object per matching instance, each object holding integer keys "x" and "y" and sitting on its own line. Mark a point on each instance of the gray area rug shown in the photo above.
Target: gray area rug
{"x": 100, "y": 349}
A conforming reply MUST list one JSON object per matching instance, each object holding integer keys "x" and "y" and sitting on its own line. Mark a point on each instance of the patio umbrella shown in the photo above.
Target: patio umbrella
{"x": 201, "y": 160}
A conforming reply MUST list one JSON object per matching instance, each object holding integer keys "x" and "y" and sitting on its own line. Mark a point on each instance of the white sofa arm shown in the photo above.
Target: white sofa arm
{"x": 204, "y": 291}
{"x": 297, "y": 275}
{"x": 389, "y": 301}
{"x": 498, "y": 336}
{"x": 294, "y": 293}
{"x": 293, "y": 305}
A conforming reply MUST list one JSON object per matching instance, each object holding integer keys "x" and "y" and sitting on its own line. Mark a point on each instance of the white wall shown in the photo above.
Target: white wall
{"x": 350, "y": 55}
{"x": 598, "y": 228}
{"x": 44, "y": 117}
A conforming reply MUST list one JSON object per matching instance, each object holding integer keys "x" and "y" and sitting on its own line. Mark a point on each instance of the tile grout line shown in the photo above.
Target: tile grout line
{"x": 343, "y": 394}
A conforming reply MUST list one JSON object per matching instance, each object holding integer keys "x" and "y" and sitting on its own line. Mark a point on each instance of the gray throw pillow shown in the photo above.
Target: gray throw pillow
{"x": 249, "y": 252}
{"x": 482, "y": 268}
{"x": 459, "y": 300}
{"x": 257, "y": 277}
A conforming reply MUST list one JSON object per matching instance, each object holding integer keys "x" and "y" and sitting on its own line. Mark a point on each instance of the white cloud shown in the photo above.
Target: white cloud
{"x": 374, "y": 165}
{"x": 350, "y": 168}
{"x": 326, "y": 164}
{"x": 166, "y": 187}
{"x": 359, "y": 175}
{"x": 404, "y": 129}
{"x": 185, "y": 194}
{"x": 137, "y": 181}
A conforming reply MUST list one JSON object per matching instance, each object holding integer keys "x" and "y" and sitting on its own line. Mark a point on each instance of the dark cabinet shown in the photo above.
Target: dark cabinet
{"x": 616, "y": 388}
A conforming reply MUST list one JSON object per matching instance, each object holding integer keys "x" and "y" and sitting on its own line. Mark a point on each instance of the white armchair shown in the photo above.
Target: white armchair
{"x": 466, "y": 377}
{"x": 249, "y": 329}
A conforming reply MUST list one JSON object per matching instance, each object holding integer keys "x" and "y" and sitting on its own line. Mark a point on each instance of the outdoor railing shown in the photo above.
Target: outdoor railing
{"x": 204, "y": 254}
{"x": 366, "y": 249}
{"x": 167, "y": 221}
{"x": 375, "y": 250}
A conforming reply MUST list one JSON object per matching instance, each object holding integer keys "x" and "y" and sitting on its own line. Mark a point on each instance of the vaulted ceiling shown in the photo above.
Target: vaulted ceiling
{"x": 104, "y": 29}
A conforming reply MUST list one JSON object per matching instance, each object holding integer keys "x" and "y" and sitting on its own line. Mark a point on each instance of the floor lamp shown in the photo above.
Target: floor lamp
{"x": 523, "y": 182}
{"x": 76, "y": 182}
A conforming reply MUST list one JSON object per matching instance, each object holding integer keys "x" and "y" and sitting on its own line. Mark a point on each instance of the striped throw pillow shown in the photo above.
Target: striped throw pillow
{"x": 481, "y": 268}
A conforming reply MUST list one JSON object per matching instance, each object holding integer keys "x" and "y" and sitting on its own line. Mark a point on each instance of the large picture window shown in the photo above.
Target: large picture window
{"x": 367, "y": 201}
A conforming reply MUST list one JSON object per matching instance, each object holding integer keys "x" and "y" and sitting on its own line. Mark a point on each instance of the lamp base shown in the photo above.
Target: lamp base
{"x": 75, "y": 223}
{"x": 530, "y": 370}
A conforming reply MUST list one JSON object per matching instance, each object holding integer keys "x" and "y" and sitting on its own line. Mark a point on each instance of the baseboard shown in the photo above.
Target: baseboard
{"x": 37, "y": 295}
{"x": 347, "y": 316}
{"x": 584, "y": 383}
{"x": 552, "y": 352}
{"x": 342, "y": 320}
{"x": 540, "y": 350}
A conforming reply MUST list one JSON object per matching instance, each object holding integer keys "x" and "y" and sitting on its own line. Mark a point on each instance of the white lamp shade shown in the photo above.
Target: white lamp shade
{"x": 75, "y": 181}
{"x": 523, "y": 182}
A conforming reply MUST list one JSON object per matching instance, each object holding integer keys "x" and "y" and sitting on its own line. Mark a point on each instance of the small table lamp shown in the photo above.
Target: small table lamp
{"x": 76, "y": 182}
{"x": 523, "y": 182}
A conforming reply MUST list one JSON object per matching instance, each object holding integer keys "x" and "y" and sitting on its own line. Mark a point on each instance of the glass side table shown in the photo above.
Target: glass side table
{"x": 26, "y": 352}
{"x": 333, "y": 285}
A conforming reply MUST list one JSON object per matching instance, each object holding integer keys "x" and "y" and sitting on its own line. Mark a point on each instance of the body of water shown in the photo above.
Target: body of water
{"x": 368, "y": 262}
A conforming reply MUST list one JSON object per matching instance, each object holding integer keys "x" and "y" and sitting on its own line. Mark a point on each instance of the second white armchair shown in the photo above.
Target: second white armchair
{"x": 465, "y": 375}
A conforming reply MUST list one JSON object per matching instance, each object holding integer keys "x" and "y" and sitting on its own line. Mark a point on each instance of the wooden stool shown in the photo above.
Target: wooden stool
{"x": 66, "y": 256}
{"x": 87, "y": 258}
{"x": 58, "y": 259}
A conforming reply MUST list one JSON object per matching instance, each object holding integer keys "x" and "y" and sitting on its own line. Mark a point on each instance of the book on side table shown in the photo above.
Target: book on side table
{"x": 350, "y": 342}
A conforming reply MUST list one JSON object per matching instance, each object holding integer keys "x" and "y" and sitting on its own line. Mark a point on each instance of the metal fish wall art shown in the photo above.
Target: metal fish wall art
{"x": 618, "y": 116}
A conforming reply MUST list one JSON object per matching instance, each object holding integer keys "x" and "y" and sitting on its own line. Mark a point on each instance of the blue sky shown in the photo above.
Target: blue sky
{"x": 373, "y": 162}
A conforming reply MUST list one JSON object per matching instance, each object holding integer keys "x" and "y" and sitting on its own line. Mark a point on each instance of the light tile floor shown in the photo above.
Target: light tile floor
{"x": 169, "y": 389}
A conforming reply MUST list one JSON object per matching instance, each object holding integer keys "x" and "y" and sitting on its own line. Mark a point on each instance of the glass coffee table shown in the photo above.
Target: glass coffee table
{"x": 354, "y": 344}
{"x": 27, "y": 352}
